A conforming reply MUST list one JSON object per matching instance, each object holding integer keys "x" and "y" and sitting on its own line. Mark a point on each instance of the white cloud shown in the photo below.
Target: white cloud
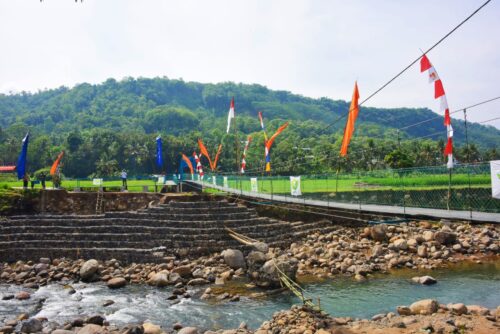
{"x": 315, "y": 48}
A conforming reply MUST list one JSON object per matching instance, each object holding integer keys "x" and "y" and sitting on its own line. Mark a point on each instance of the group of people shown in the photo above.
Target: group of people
{"x": 27, "y": 179}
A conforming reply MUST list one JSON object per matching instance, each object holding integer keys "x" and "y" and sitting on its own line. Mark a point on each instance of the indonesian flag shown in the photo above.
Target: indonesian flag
{"x": 243, "y": 160}
{"x": 199, "y": 168}
{"x": 261, "y": 119}
{"x": 230, "y": 115}
{"x": 439, "y": 93}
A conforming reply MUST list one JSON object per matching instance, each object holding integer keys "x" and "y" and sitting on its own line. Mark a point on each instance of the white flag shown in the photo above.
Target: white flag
{"x": 230, "y": 115}
{"x": 253, "y": 185}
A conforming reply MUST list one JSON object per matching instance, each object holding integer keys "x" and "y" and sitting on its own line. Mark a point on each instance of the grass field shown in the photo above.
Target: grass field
{"x": 133, "y": 185}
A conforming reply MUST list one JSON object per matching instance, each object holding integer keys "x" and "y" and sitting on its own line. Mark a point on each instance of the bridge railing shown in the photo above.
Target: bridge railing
{"x": 467, "y": 187}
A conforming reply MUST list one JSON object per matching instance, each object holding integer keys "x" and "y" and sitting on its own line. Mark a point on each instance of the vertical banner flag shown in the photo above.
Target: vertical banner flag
{"x": 21, "y": 161}
{"x": 295, "y": 186}
{"x": 199, "y": 168}
{"x": 351, "y": 119}
{"x": 204, "y": 151}
{"x": 495, "y": 178}
{"x": 219, "y": 150}
{"x": 53, "y": 169}
{"x": 226, "y": 184}
{"x": 243, "y": 160}
{"x": 261, "y": 119}
{"x": 214, "y": 180}
{"x": 230, "y": 115}
{"x": 269, "y": 143}
{"x": 253, "y": 185}
{"x": 425, "y": 65}
{"x": 188, "y": 163}
{"x": 159, "y": 153}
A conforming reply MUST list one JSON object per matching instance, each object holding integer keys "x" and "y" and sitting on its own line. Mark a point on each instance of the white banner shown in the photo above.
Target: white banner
{"x": 295, "y": 186}
{"x": 253, "y": 185}
{"x": 225, "y": 182}
{"x": 161, "y": 179}
{"x": 97, "y": 182}
{"x": 214, "y": 180}
{"x": 495, "y": 178}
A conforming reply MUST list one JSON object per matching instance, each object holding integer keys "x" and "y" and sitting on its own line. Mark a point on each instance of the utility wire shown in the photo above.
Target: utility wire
{"x": 410, "y": 65}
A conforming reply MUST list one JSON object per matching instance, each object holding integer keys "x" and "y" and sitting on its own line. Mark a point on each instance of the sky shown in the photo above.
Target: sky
{"x": 315, "y": 48}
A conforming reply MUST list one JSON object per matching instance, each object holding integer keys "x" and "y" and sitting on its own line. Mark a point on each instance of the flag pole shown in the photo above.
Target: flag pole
{"x": 237, "y": 144}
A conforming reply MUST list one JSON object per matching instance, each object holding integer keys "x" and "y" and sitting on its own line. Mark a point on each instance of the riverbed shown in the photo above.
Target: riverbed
{"x": 467, "y": 283}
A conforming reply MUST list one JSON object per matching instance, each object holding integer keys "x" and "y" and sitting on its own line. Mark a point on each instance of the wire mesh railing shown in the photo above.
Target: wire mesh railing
{"x": 465, "y": 187}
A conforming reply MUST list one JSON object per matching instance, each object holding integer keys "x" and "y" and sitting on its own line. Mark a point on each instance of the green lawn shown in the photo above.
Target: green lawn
{"x": 133, "y": 185}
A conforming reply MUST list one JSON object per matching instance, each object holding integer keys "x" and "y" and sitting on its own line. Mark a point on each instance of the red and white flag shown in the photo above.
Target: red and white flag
{"x": 230, "y": 116}
{"x": 425, "y": 65}
{"x": 243, "y": 160}
{"x": 199, "y": 168}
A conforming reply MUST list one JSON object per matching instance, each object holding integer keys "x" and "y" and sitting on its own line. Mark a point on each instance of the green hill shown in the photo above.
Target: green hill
{"x": 112, "y": 125}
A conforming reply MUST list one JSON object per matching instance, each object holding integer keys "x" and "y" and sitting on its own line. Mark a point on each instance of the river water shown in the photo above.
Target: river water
{"x": 470, "y": 284}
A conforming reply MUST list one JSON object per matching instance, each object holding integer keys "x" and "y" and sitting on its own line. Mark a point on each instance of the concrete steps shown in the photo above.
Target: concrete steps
{"x": 193, "y": 228}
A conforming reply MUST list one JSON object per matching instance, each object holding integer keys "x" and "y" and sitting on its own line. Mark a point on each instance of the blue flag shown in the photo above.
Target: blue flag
{"x": 21, "y": 162}
{"x": 159, "y": 155}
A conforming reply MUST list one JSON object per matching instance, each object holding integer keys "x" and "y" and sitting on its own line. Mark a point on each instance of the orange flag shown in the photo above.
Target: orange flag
{"x": 188, "y": 163}
{"x": 53, "y": 169}
{"x": 270, "y": 142}
{"x": 219, "y": 150}
{"x": 351, "y": 119}
{"x": 204, "y": 151}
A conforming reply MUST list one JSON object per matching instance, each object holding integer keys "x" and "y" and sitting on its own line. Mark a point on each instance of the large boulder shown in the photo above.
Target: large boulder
{"x": 31, "y": 326}
{"x": 425, "y": 280}
{"x": 425, "y": 306}
{"x": 260, "y": 246}
{"x": 117, "y": 282}
{"x": 379, "y": 232}
{"x": 270, "y": 275}
{"x": 183, "y": 271}
{"x": 401, "y": 244}
{"x": 255, "y": 260}
{"x": 188, "y": 330}
{"x": 91, "y": 329}
{"x": 150, "y": 328}
{"x": 159, "y": 279}
{"x": 234, "y": 258}
{"x": 88, "y": 269}
{"x": 445, "y": 237}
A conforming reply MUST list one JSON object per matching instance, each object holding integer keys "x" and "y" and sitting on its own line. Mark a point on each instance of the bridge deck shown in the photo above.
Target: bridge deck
{"x": 476, "y": 216}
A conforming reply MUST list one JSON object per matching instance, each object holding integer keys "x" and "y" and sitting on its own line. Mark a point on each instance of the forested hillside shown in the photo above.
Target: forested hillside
{"x": 110, "y": 126}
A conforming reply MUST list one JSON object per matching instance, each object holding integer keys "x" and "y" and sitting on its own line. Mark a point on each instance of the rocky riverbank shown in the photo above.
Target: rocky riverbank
{"x": 423, "y": 316}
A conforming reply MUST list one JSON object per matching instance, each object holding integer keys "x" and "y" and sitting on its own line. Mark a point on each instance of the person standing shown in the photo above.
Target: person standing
{"x": 26, "y": 180}
{"x": 124, "y": 179}
{"x": 42, "y": 179}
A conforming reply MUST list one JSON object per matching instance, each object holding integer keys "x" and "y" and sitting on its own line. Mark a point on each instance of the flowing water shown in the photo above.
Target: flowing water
{"x": 470, "y": 284}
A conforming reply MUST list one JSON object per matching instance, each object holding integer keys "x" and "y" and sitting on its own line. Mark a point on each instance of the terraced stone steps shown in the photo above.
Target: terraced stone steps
{"x": 193, "y": 228}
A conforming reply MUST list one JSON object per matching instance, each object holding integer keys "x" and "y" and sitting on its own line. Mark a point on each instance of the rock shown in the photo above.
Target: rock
{"x": 401, "y": 244}
{"x": 260, "y": 247}
{"x": 377, "y": 250}
{"x": 174, "y": 278}
{"x": 188, "y": 330}
{"x": 96, "y": 320}
{"x": 117, "y": 282}
{"x": 425, "y": 306}
{"x": 8, "y": 297}
{"x": 150, "y": 328}
{"x": 425, "y": 280}
{"x": 108, "y": 302}
{"x": 31, "y": 326}
{"x": 445, "y": 238}
{"x": 422, "y": 251}
{"x": 159, "y": 279}
{"x": 403, "y": 310}
{"x": 91, "y": 329}
{"x": 183, "y": 271}
{"x": 6, "y": 329}
{"x": 255, "y": 260}
{"x": 425, "y": 225}
{"x": 428, "y": 235}
{"x": 477, "y": 309}
{"x": 23, "y": 295}
{"x": 62, "y": 331}
{"x": 88, "y": 269}
{"x": 379, "y": 232}
{"x": 458, "y": 309}
{"x": 132, "y": 330}
{"x": 234, "y": 258}
{"x": 198, "y": 281}
{"x": 269, "y": 274}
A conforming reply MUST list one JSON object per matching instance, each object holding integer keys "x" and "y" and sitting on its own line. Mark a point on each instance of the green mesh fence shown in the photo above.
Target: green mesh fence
{"x": 468, "y": 187}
